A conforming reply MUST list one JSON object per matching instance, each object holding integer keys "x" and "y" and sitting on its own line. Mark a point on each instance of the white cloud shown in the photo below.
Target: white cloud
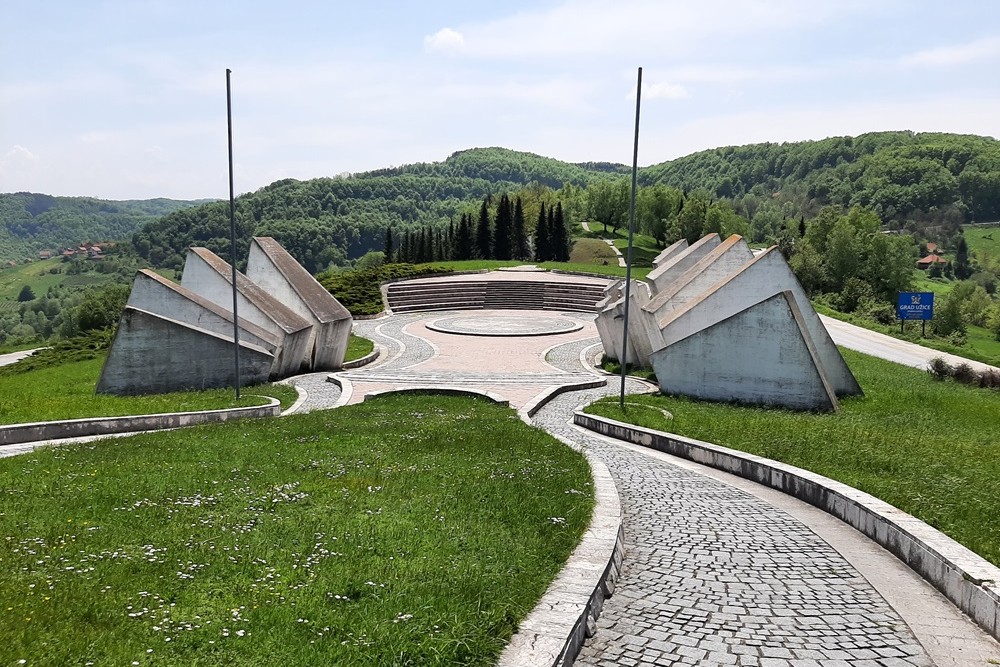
{"x": 19, "y": 154}
{"x": 445, "y": 40}
{"x": 663, "y": 90}
{"x": 958, "y": 54}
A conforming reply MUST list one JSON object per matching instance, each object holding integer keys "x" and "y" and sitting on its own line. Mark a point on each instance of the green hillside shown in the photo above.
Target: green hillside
{"x": 31, "y": 222}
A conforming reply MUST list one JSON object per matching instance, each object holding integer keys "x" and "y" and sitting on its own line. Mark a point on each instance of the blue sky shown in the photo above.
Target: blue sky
{"x": 124, "y": 100}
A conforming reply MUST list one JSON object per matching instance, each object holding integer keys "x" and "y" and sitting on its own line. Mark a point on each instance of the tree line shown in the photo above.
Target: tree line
{"x": 499, "y": 233}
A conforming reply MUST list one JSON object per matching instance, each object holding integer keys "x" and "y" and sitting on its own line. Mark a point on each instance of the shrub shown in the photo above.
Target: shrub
{"x": 939, "y": 369}
{"x": 964, "y": 373}
{"x": 359, "y": 290}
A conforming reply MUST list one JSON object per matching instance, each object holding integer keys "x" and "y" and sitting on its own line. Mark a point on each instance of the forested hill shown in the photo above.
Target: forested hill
{"x": 326, "y": 220}
{"x": 31, "y": 222}
{"x": 899, "y": 175}
{"x": 906, "y": 178}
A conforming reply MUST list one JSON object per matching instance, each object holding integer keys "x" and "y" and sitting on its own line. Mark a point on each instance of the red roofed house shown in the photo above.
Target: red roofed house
{"x": 930, "y": 260}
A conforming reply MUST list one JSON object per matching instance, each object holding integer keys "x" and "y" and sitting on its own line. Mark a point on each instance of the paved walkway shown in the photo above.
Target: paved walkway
{"x": 11, "y": 357}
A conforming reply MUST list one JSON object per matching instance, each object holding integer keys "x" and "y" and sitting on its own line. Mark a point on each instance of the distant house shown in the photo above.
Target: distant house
{"x": 932, "y": 247}
{"x": 45, "y": 254}
{"x": 11, "y": 262}
{"x": 929, "y": 261}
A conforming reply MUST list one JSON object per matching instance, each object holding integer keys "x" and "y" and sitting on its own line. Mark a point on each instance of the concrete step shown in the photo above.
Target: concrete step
{"x": 499, "y": 295}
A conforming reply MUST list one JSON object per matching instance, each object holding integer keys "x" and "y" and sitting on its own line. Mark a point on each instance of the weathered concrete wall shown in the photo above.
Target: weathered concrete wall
{"x": 660, "y": 277}
{"x": 271, "y": 267}
{"x": 761, "y": 278}
{"x": 610, "y": 322}
{"x": 720, "y": 262}
{"x": 208, "y": 275}
{"x": 761, "y": 355}
{"x": 154, "y": 354}
{"x": 670, "y": 251}
{"x": 156, "y": 294}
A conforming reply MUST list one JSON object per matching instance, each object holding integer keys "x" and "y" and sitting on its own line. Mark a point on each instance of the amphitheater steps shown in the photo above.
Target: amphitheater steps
{"x": 492, "y": 294}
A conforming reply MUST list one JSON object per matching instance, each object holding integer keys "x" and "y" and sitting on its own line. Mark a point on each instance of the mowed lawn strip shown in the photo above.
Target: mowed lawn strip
{"x": 408, "y": 530}
{"x": 930, "y": 448}
{"x": 67, "y": 392}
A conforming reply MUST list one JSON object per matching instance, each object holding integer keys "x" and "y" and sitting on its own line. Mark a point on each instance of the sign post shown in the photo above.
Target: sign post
{"x": 915, "y": 306}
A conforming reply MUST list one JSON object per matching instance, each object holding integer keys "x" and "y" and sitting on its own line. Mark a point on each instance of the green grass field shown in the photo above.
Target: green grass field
{"x": 67, "y": 392}
{"x": 984, "y": 242}
{"x": 408, "y": 530}
{"x": 37, "y": 275}
{"x": 928, "y": 447}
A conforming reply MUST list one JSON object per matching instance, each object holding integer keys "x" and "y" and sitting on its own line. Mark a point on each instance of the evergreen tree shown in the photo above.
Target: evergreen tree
{"x": 463, "y": 245}
{"x": 542, "y": 246}
{"x": 519, "y": 236}
{"x": 502, "y": 229}
{"x": 26, "y": 294}
{"x": 802, "y": 227}
{"x": 404, "y": 247}
{"x": 387, "y": 250}
{"x": 559, "y": 236}
{"x": 483, "y": 232}
{"x": 962, "y": 270}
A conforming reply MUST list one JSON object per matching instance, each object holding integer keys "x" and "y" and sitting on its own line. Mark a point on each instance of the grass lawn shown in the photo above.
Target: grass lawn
{"x": 984, "y": 242}
{"x": 358, "y": 347}
{"x": 930, "y": 448}
{"x": 409, "y": 530}
{"x": 67, "y": 392}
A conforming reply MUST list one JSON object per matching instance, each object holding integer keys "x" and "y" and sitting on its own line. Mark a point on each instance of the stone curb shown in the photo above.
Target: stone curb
{"x": 555, "y": 630}
{"x": 436, "y": 389}
{"x": 968, "y": 580}
{"x": 534, "y": 405}
{"x": 363, "y": 361}
{"x": 303, "y": 396}
{"x": 73, "y": 428}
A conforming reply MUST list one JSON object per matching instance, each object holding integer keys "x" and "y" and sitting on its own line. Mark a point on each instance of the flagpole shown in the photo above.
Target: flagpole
{"x": 631, "y": 231}
{"x": 232, "y": 233}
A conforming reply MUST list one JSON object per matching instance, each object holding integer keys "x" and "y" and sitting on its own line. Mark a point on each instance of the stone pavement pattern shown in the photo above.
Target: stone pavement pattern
{"x": 712, "y": 575}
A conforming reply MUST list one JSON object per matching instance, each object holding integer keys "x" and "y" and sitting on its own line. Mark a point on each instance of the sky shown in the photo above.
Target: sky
{"x": 127, "y": 99}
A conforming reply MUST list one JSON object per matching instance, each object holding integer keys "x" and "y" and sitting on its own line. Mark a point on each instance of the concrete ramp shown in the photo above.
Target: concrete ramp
{"x": 153, "y": 354}
{"x": 762, "y": 354}
{"x": 761, "y": 278}
{"x": 271, "y": 267}
{"x": 670, "y": 251}
{"x": 660, "y": 277}
{"x": 208, "y": 275}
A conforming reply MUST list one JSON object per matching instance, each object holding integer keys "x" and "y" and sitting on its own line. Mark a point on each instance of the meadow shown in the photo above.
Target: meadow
{"x": 408, "y": 530}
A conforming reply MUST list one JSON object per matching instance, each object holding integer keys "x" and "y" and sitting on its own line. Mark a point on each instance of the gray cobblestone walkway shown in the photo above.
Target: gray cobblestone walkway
{"x": 714, "y": 576}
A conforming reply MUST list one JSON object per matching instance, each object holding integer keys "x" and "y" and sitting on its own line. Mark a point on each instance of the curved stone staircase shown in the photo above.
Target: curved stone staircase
{"x": 410, "y": 296}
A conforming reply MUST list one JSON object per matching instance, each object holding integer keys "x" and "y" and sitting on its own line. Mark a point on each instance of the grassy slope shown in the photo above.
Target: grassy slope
{"x": 67, "y": 392}
{"x": 403, "y": 531}
{"x": 927, "y": 447}
{"x": 983, "y": 241}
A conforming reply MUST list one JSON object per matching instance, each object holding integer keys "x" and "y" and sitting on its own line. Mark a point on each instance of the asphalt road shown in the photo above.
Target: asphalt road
{"x": 6, "y": 359}
{"x": 887, "y": 347}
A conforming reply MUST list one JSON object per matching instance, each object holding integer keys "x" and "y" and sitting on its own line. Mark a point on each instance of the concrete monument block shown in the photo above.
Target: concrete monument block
{"x": 208, "y": 275}
{"x": 762, "y": 277}
{"x": 155, "y": 294}
{"x": 670, "y": 251}
{"x": 721, "y": 261}
{"x": 610, "y": 321}
{"x": 762, "y": 354}
{"x": 155, "y": 354}
{"x": 271, "y": 267}
{"x": 680, "y": 262}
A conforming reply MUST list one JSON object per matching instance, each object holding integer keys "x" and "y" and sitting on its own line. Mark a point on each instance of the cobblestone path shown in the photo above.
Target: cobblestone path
{"x": 714, "y": 576}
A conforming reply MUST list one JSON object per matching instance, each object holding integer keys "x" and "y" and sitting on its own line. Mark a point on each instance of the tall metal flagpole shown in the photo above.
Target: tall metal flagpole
{"x": 232, "y": 231}
{"x": 631, "y": 230}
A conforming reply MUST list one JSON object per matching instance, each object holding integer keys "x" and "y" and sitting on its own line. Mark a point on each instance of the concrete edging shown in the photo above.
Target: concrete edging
{"x": 363, "y": 361}
{"x": 965, "y": 578}
{"x": 15, "y": 434}
{"x": 538, "y": 402}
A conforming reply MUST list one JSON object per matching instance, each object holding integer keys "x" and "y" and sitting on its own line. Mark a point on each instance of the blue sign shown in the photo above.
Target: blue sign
{"x": 915, "y": 306}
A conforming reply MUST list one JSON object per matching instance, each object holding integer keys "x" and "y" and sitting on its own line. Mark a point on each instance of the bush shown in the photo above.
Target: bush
{"x": 359, "y": 290}
{"x": 939, "y": 369}
{"x": 964, "y": 373}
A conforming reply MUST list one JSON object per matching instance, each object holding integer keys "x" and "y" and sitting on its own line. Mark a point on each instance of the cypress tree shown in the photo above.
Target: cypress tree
{"x": 802, "y": 226}
{"x": 483, "y": 232}
{"x": 543, "y": 248}
{"x": 502, "y": 229}
{"x": 387, "y": 250}
{"x": 463, "y": 245}
{"x": 558, "y": 235}
{"x": 962, "y": 270}
{"x": 519, "y": 237}
{"x": 404, "y": 247}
